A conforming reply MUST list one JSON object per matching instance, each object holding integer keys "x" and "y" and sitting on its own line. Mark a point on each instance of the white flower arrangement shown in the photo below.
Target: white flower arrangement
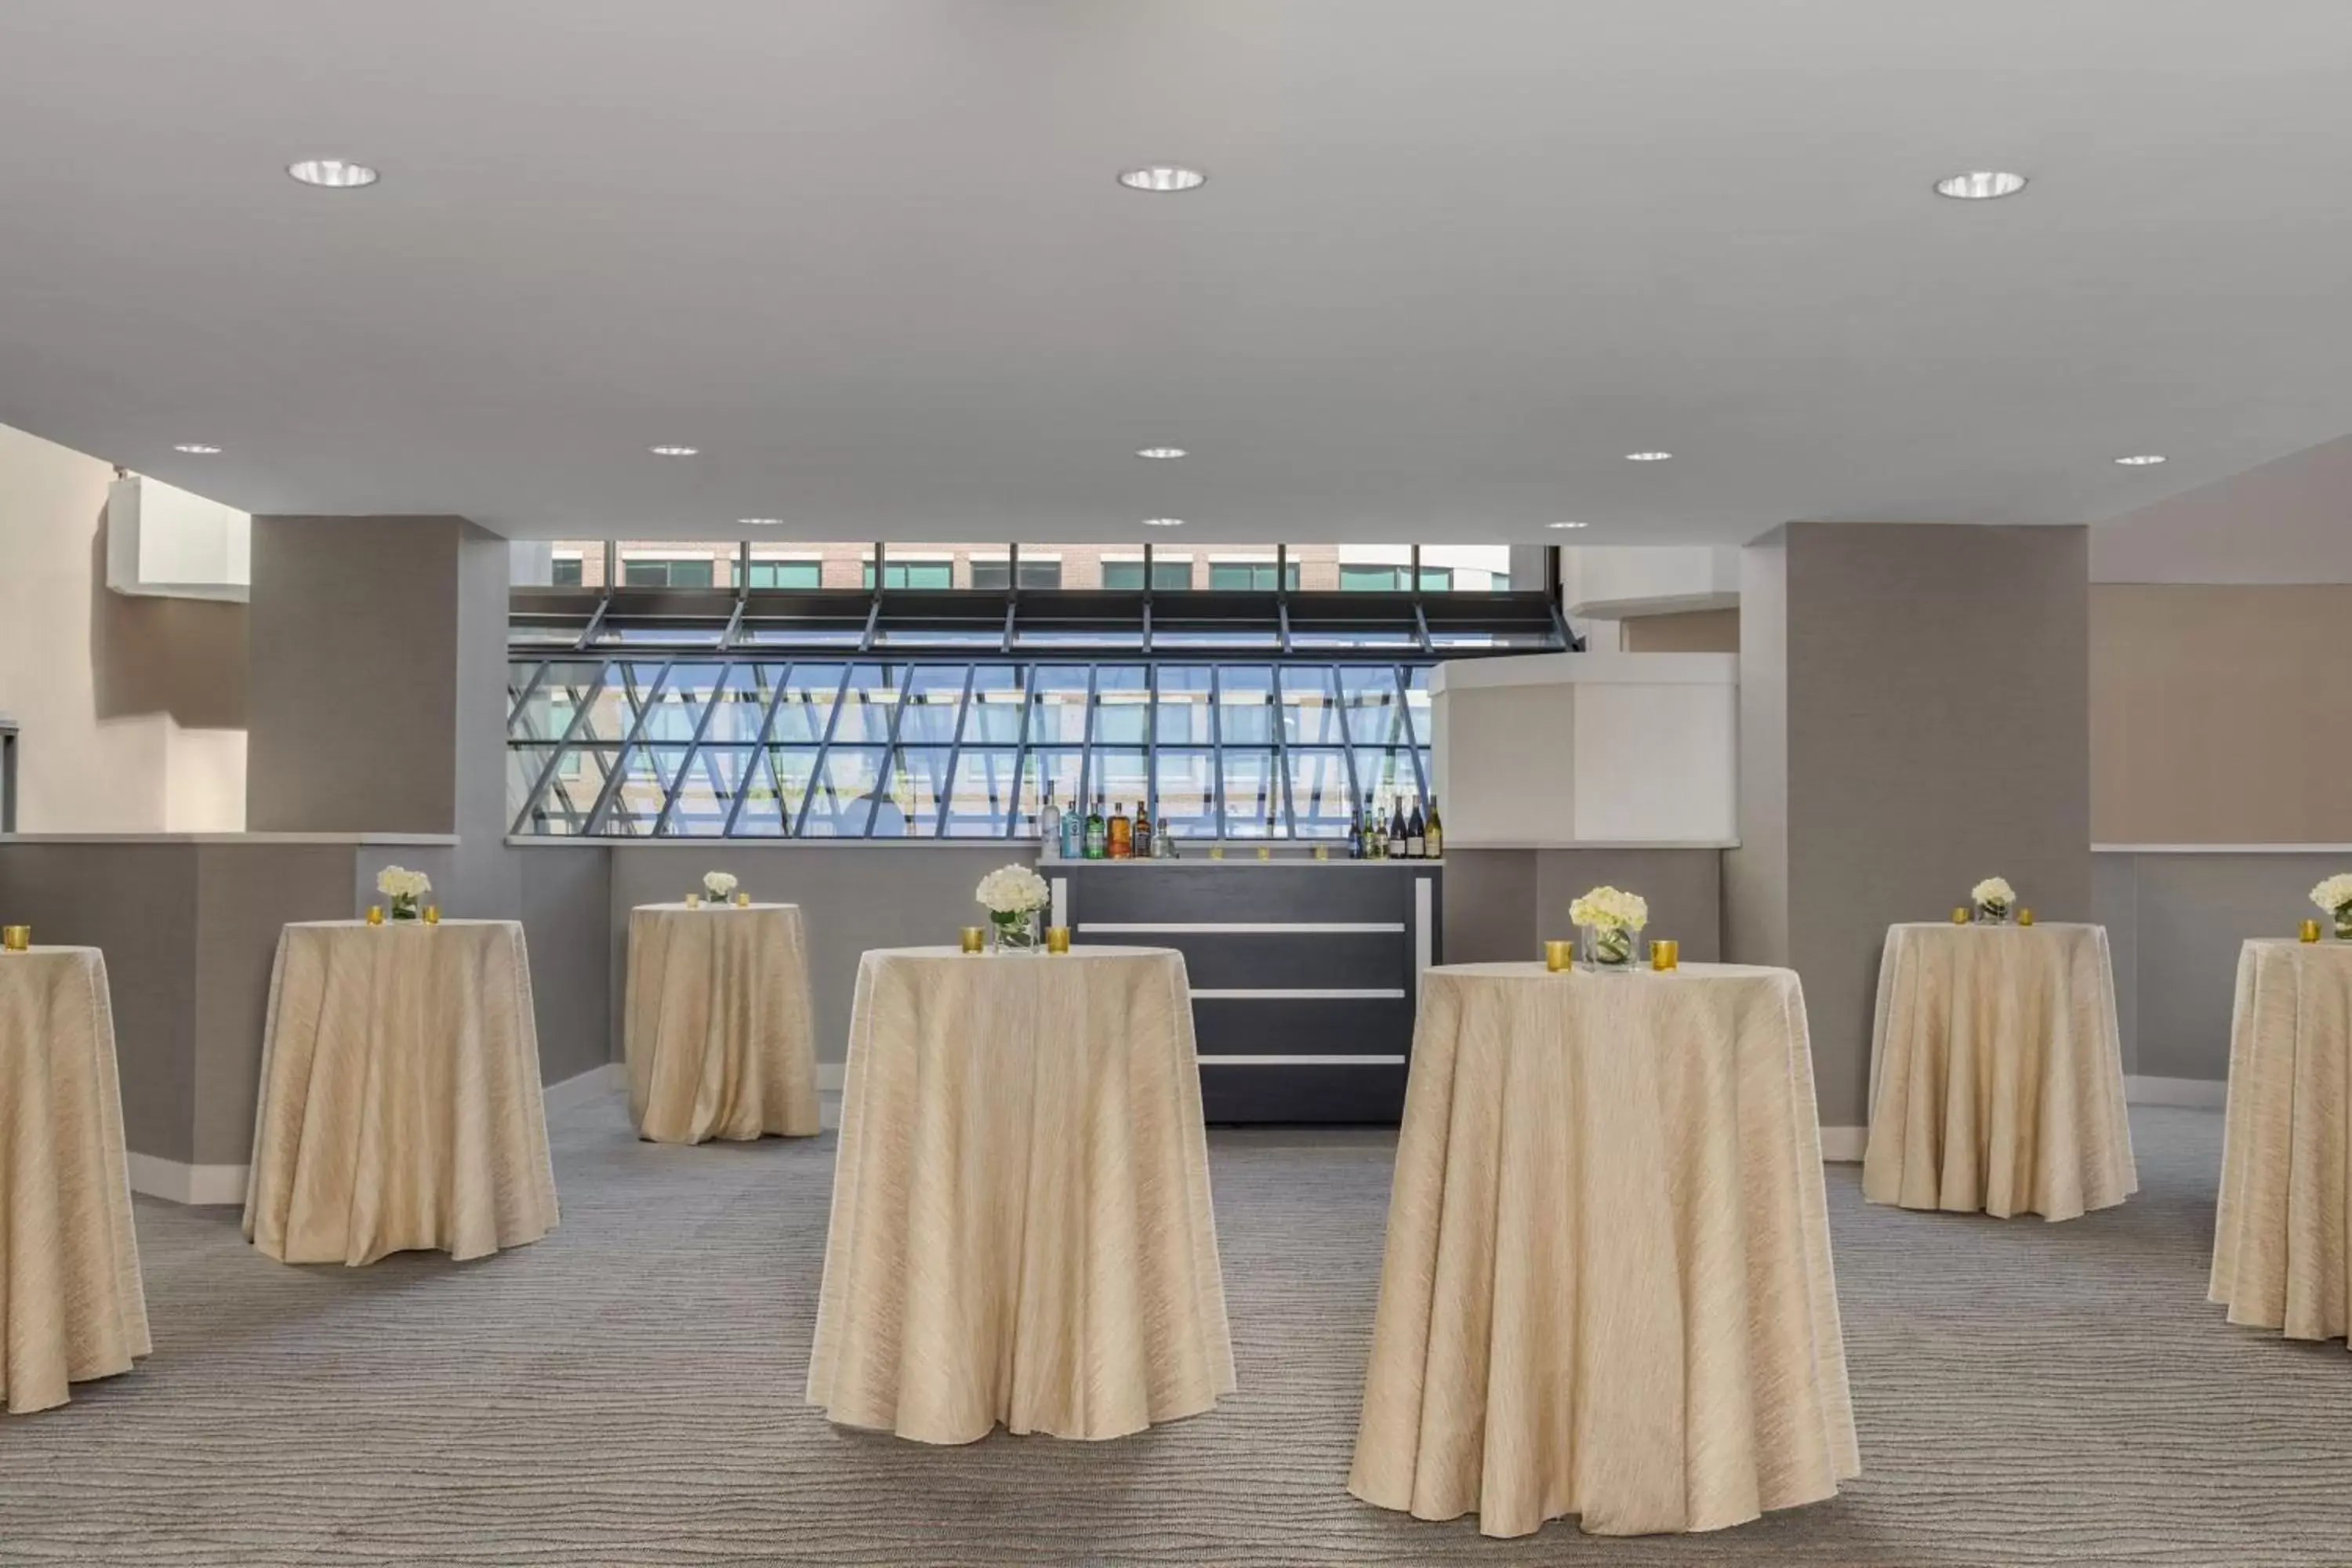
{"x": 1013, "y": 890}
{"x": 1993, "y": 893}
{"x": 1611, "y": 908}
{"x": 399, "y": 882}
{"x": 718, "y": 884}
{"x": 2335, "y": 893}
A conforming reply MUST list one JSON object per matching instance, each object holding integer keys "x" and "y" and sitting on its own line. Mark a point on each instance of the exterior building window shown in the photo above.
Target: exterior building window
{"x": 563, "y": 571}
{"x": 787, "y": 574}
{"x": 672, "y": 572}
{"x": 1249, "y": 576}
{"x": 995, "y": 572}
{"x": 914, "y": 574}
{"x": 1167, "y": 576}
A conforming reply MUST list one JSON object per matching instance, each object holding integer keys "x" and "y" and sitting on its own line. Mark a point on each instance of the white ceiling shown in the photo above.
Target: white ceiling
{"x": 1452, "y": 262}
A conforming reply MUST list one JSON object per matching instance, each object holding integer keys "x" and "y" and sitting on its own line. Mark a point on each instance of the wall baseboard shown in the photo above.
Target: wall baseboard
{"x": 594, "y": 1084}
{"x": 2192, "y": 1093}
{"x": 1843, "y": 1145}
{"x": 190, "y": 1184}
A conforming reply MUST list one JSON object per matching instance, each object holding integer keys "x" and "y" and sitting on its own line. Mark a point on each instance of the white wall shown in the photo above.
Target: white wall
{"x": 78, "y": 771}
{"x": 1588, "y": 748}
{"x": 1610, "y": 583}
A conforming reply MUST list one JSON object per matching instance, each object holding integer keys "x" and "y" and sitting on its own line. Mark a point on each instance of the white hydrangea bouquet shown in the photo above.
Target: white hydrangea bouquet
{"x": 406, "y": 889}
{"x": 2335, "y": 896}
{"x": 719, "y": 885}
{"x": 1013, "y": 895}
{"x": 1993, "y": 898}
{"x": 1606, "y": 920}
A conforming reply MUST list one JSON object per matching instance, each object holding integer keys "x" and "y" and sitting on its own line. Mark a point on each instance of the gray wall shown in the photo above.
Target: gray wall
{"x": 189, "y": 932}
{"x": 1932, "y": 695}
{"x": 1501, "y": 904}
{"x": 567, "y": 917}
{"x": 2176, "y": 922}
{"x": 353, "y": 660}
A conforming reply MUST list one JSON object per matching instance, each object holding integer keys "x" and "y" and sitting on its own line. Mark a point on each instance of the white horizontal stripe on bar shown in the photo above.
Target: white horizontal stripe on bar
{"x": 1302, "y": 1061}
{"x": 1289, "y": 996}
{"x": 2221, "y": 848}
{"x": 1310, "y": 928}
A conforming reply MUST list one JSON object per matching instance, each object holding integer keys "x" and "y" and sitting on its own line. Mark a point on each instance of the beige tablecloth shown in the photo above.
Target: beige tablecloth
{"x": 1022, "y": 1230}
{"x": 1607, "y": 1289}
{"x": 718, "y": 1040}
{"x": 1996, "y": 1072}
{"x": 2281, "y": 1256}
{"x": 400, "y": 1096}
{"x": 72, "y": 1306}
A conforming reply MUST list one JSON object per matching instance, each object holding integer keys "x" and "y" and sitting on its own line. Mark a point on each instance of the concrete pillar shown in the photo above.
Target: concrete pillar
{"x": 1914, "y": 717}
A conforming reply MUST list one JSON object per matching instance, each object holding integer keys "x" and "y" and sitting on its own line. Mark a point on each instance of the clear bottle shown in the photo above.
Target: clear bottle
{"x": 1097, "y": 832}
{"x": 1416, "y": 835}
{"x": 1074, "y": 832}
{"x": 1121, "y": 832}
{"x": 1163, "y": 843}
{"x": 1049, "y": 828}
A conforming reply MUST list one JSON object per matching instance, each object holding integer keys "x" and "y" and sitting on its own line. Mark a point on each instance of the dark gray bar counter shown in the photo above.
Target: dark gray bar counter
{"x": 1305, "y": 973}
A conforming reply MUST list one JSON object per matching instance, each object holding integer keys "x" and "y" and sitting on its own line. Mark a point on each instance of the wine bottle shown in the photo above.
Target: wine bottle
{"x": 1049, "y": 828}
{"x": 1379, "y": 835}
{"x": 1396, "y": 829}
{"x": 1096, "y": 831}
{"x": 1437, "y": 832}
{"x": 1416, "y": 835}
{"x": 1356, "y": 836}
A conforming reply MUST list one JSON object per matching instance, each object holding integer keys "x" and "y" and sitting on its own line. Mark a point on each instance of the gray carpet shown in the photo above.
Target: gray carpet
{"x": 628, "y": 1392}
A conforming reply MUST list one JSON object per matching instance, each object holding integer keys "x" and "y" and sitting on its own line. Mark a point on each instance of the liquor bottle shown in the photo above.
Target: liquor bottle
{"x": 1163, "y": 843}
{"x": 1096, "y": 839}
{"x": 1396, "y": 829}
{"x": 1416, "y": 835}
{"x": 1073, "y": 831}
{"x": 1356, "y": 837}
{"x": 1142, "y": 834}
{"x": 1437, "y": 832}
{"x": 1122, "y": 833}
{"x": 1049, "y": 828}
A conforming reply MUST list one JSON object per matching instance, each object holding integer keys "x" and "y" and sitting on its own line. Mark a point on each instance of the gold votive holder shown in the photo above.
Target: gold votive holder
{"x": 1322, "y": 852}
{"x": 2025, "y": 917}
{"x": 1666, "y": 954}
{"x": 694, "y": 901}
{"x": 742, "y": 901}
{"x": 375, "y": 914}
{"x": 1216, "y": 851}
{"x": 1265, "y": 851}
{"x": 2310, "y": 931}
{"x": 17, "y": 939}
{"x": 974, "y": 938}
{"x": 1057, "y": 938}
{"x": 1962, "y": 915}
{"x": 1560, "y": 954}
{"x": 432, "y": 914}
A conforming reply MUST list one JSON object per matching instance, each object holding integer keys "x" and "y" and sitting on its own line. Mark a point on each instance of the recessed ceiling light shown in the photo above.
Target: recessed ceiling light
{"x": 1647, "y": 456}
{"x": 2141, "y": 459}
{"x": 335, "y": 173}
{"x": 1563, "y": 525}
{"x": 673, "y": 451}
{"x": 1163, "y": 522}
{"x": 1163, "y": 179}
{"x": 198, "y": 448}
{"x": 760, "y": 521}
{"x": 1159, "y": 452}
{"x": 1980, "y": 185}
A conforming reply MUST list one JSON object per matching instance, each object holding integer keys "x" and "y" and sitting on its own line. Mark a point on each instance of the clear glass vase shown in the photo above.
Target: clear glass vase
{"x": 405, "y": 907}
{"x": 1992, "y": 914}
{"x": 1606, "y": 950}
{"x": 2344, "y": 923}
{"x": 1017, "y": 931}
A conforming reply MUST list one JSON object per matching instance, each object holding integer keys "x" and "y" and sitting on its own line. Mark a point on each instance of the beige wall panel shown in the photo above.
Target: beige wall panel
{"x": 2221, "y": 714}
{"x": 1691, "y": 631}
